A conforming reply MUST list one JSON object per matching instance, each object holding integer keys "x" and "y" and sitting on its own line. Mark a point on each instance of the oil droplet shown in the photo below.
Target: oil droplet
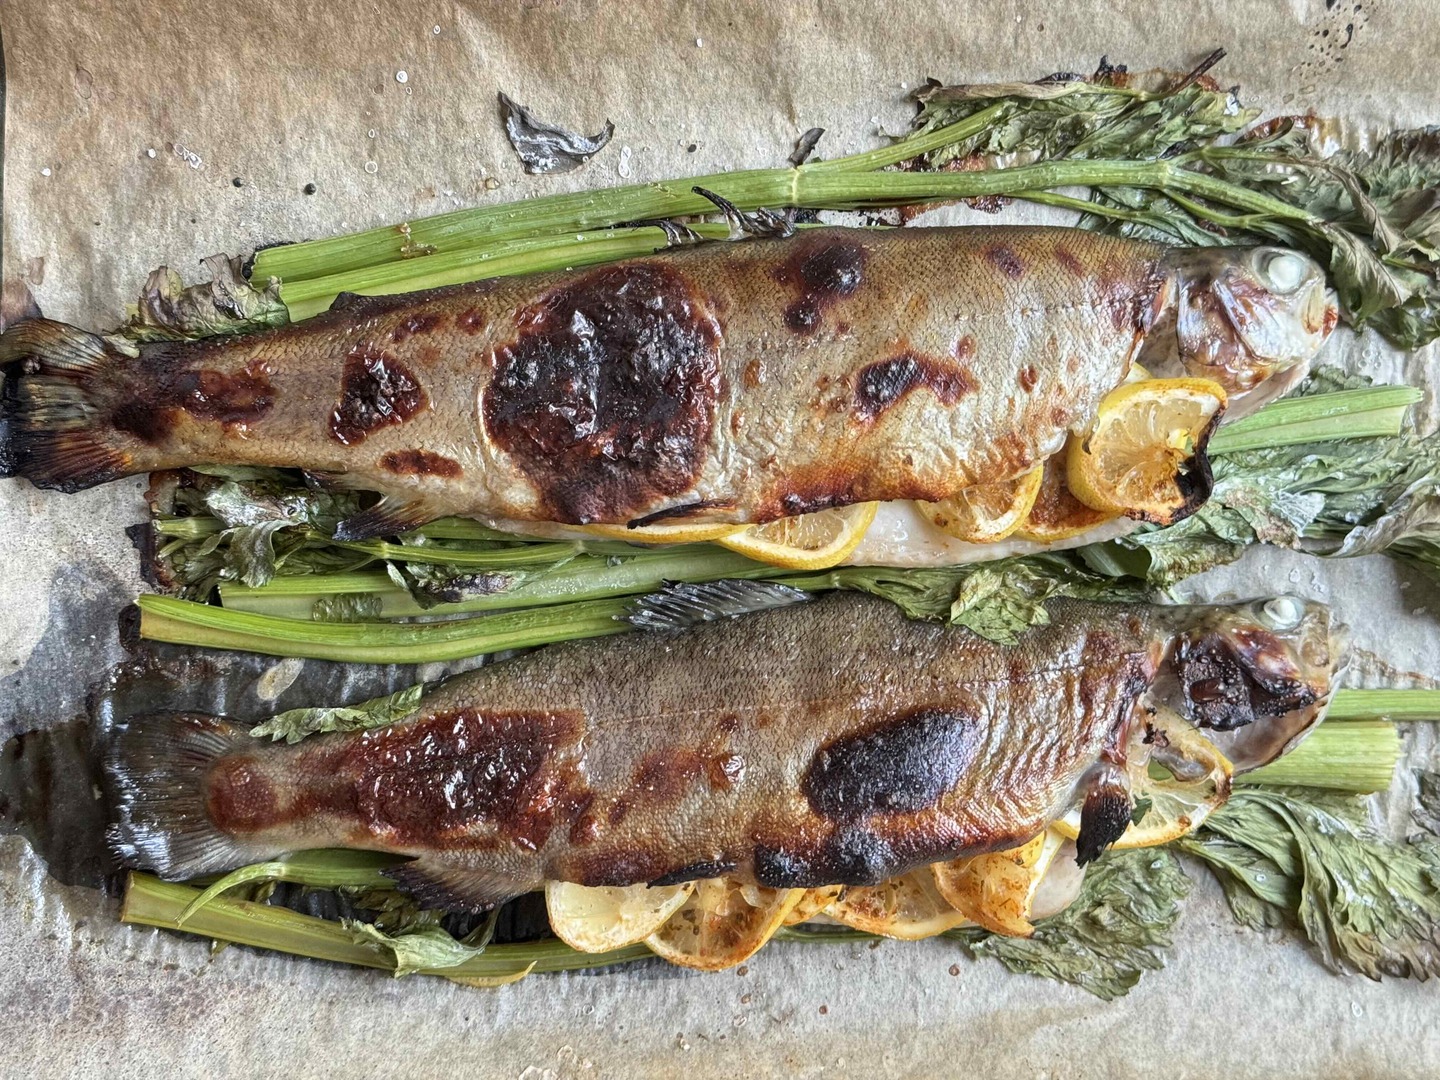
{"x": 371, "y": 133}
{"x": 435, "y": 30}
{"x": 371, "y": 168}
{"x": 45, "y": 171}
{"x": 699, "y": 44}
{"x": 624, "y": 166}
{"x": 1355, "y": 1010}
{"x": 491, "y": 183}
{"x": 402, "y": 77}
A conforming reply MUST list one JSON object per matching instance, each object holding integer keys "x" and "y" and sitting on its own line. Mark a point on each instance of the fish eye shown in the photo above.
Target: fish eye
{"x": 1281, "y": 270}
{"x": 1282, "y": 613}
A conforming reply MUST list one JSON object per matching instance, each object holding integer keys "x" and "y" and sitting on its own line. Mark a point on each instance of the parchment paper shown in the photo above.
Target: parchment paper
{"x": 127, "y": 127}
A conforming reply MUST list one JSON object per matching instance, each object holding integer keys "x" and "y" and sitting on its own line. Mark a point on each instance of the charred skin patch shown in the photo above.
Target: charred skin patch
{"x": 906, "y": 764}
{"x": 239, "y": 798}
{"x": 820, "y": 273}
{"x": 882, "y": 384}
{"x": 422, "y": 322}
{"x": 1004, "y": 259}
{"x": 427, "y": 782}
{"x": 694, "y": 872}
{"x": 170, "y": 388}
{"x": 376, "y": 391}
{"x": 421, "y": 463}
{"x": 851, "y": 855}
{"x": 606, "y": 396}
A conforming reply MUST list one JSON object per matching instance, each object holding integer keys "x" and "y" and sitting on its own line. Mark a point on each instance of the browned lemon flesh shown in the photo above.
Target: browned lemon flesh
{"x": 722, "y": 923}
{"x": 986, "y": 513}
{"x": 1144, "y": 456}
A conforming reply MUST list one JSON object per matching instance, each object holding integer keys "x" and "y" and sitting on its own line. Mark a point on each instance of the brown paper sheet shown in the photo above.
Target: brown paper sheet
{"x": 141, "y": 133}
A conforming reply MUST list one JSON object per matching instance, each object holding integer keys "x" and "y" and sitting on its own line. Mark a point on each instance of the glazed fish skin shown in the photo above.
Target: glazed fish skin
{"x": 738, "y": 382}
{"x": 827, "y": 742}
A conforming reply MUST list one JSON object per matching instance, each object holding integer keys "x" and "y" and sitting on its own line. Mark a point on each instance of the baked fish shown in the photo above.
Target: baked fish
{"x": 827, "y": 742}
{"x": 739, "y": 382}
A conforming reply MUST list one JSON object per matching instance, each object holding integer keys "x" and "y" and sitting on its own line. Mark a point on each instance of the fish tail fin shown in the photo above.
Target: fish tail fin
{"x": 54, "y": 411}
{"x": 159, "y": 765}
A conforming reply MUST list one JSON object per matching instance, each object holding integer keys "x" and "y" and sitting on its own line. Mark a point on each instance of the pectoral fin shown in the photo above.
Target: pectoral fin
{"x": 1106, "y": 813}
{"x": 386, "y": 518}
{"x": 438, "y": 886}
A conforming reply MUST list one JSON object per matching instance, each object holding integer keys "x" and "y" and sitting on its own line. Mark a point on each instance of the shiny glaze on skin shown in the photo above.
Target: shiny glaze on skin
{"x": 827, "y": 742}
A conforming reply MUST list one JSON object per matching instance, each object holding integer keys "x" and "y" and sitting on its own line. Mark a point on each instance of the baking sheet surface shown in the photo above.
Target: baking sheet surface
{"x": 147, "y": 133}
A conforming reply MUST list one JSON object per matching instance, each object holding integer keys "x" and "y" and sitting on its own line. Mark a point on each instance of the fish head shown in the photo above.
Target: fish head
{"x": 1245, "y": 314}
{"x": 1255, "y": 677}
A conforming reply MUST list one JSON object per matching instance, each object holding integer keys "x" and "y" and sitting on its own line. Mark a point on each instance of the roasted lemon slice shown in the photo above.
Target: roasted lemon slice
{"x": 1145, "y": 456}
{"x": 808, "y": 542}
{"x": 997, "y": 890}
{"x": 986, "y": 512}
{"x": 1056, "y": 514}
{"x": 908, "y": 907}
{"x": 601, "y": 918}
{"x": 1171, "y": 805}
{"x": 694, "y": 532}
{"x": 813, "y": 903}
{"x": 722, "y": 923}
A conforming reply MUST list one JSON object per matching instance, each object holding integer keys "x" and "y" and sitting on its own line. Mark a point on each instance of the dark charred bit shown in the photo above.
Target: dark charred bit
{"x": 851, "y": 855}
{"x": 694, "y": 872}
{"x": 239, "y": 798}
{"x": 821, "y": 272}
{"x": 881, "y": 384}
{"x": 151, "y": 412}
{"x": 1028, "y": 378}
{"x": 909, "y": 763}
{"x": 1105, "y": 815}
{"x": 606, "y": 396}
{"x": 471, "y": 322}
{"x": 421, "y": 463}
{"x": 1004, "y": 259}
{"x": 681, "y": 511}
{"x": 376, "y": 391}
{"x": 423, "y": 782}
{"x": 422, "y": 322}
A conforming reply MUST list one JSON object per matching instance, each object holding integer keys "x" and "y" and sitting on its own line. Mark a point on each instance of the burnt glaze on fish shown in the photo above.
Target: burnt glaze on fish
{"x": 827, "y": 742}
{"x": 734, "y": 382}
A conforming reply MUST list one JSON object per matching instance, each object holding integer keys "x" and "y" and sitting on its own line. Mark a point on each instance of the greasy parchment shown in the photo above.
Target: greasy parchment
{"x": 281, "y": 96}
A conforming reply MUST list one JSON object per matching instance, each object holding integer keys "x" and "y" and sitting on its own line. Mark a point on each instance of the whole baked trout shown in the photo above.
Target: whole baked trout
{"x": 826, "y": 742}
{"x": 737, "y": 382}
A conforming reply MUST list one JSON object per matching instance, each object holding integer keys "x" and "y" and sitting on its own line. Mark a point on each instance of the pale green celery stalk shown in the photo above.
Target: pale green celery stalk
{"x": 1397, "y": 705}
{"x": 152, "y": 902}
{"x": 1358, "y": 756}
{"x": 324, "y": 868}
{"x": 586, "y": 577}
{"x": 511, "y": 556}
{"x": 582, "y": 210}
{"x": 560, "y": 245}
{"x": 1342, "y": 414}
{"x": 183, "y": 622}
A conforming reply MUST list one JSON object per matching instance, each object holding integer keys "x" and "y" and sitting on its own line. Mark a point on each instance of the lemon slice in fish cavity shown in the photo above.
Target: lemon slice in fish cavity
{"x": 680, "y": 532}
{"x": 1144, "y": 457}
{"x": 986, "y": 513}
{"x": 1055, "y": 513}
{"x": 807, "y": 542}
{"x": 600, "y": 918}
{"x": 997, "y": 890}
{"x": 909, "y": 907}
{"x": 722, "y": 923}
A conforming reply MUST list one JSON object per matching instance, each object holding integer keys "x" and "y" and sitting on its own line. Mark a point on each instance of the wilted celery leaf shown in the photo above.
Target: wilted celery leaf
{"x": 1111, "y": 935}
{"x": 294, "y": 724}
{"x": 226, "y": 304}
{"x": 1369, "y": 905}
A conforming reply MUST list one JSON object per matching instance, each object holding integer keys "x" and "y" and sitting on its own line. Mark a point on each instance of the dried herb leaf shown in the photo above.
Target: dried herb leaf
{"x": 545, "y": 148}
